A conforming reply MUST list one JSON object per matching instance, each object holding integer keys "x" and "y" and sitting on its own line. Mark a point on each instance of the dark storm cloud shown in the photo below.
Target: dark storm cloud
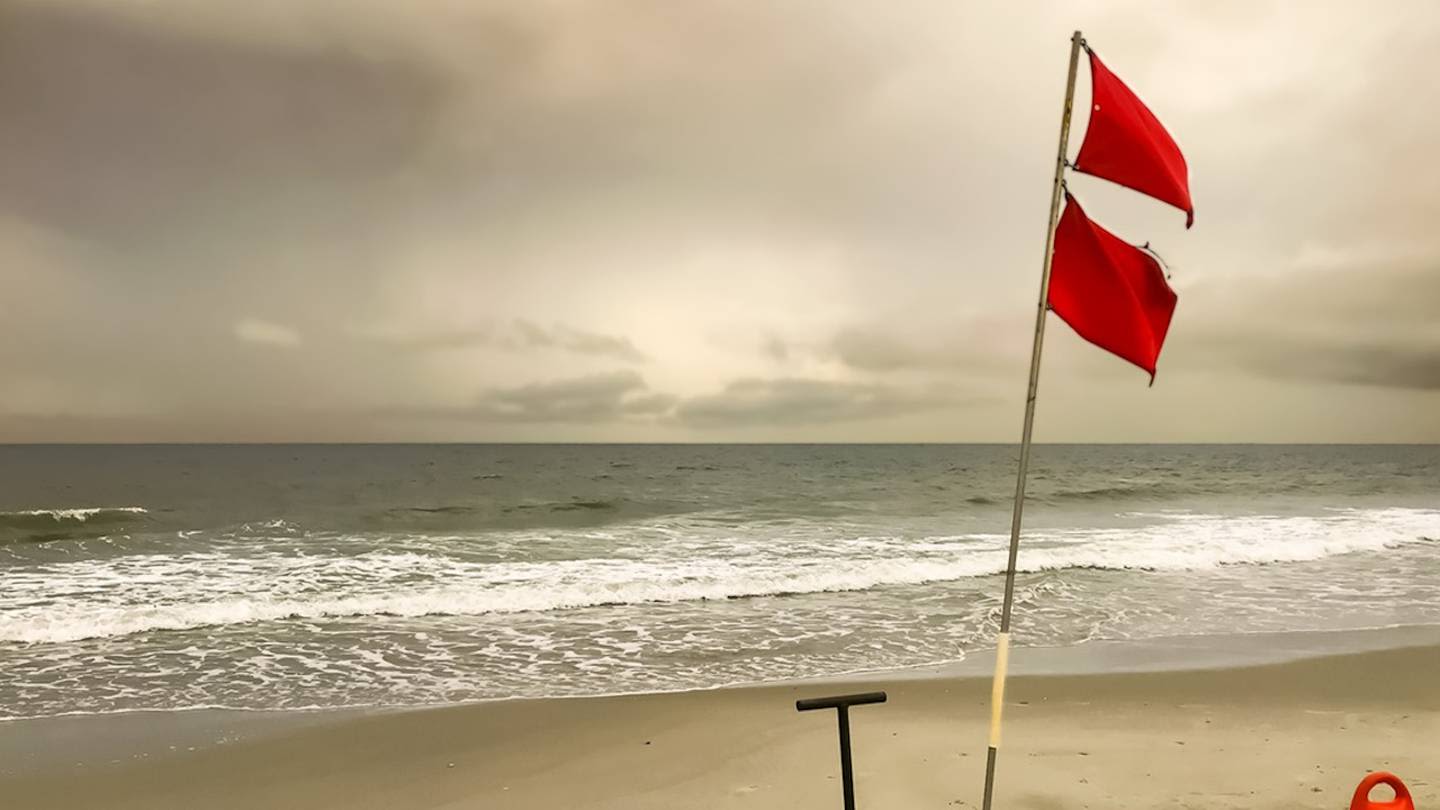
{"x": 1415, "y": 367}
{"x": 117, "y": 127}
{"x": 1369, "y": 322}
{"x": 219, "y": 214}
{"x": 749, "y": 402}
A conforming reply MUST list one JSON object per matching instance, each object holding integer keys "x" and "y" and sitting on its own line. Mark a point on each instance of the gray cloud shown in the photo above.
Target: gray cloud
{"x": 775, "y": 348}
{"x": 848, "y": 193}
{"x": 877, "y": 351}
{"x": 974, "y": 347}
{"x": 1390, "y": 366}
{"x": 624, "y": 396}
{"x": 750, "y": 402}
{"x": 478, "y": 337}
{"x": 594, "y": 398}
{"x": 118, "y": 126}
{"x": 519, "y": 335}
{"x": 577, "y": 341}
{"x": 1319, "y": 326}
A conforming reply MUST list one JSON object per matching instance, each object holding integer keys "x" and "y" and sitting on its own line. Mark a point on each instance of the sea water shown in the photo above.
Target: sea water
{"x": 307, "y": 576}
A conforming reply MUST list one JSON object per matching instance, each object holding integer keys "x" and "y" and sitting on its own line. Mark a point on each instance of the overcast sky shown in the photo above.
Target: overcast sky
{"x": 290, "y": 220}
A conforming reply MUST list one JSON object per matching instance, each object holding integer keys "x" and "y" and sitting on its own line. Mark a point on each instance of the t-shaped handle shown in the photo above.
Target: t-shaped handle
{"x": 841, "y": 704}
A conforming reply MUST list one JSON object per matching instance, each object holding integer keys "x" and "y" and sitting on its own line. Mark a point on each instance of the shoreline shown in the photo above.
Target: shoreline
{"x": 1178, "y": 653}
{"x": 695, "y": 748}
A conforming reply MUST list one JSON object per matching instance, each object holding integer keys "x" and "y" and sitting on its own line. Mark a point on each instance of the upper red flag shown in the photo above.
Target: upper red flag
{"x": 1111, "y": 293}
{"x": 1126, "y": 143}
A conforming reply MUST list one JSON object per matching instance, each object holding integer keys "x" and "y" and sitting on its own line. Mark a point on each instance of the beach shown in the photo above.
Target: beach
{"x": 567, "y": 626}
{"x": 1296, "y": 734}
{"x": 528, "y": 406}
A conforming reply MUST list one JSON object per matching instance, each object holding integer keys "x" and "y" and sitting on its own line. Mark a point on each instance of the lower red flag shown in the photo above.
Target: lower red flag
{"x": 1111, "y": 293}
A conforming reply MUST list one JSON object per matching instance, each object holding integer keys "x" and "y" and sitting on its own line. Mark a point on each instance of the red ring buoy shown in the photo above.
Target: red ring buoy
{"x": 1361, "y": 800}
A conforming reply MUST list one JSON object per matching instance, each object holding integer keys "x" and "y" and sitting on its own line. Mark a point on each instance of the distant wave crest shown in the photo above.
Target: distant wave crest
{"x": 1120, "y": 492}
{"x": 38, "y": 525}
{"x": 83, "y": 514}
{"x": 575, "y": 505}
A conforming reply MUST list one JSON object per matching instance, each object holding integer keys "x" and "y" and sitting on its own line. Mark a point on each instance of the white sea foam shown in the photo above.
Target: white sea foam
{"x": 140, "y": 594}
{"x": 79, "y": 515}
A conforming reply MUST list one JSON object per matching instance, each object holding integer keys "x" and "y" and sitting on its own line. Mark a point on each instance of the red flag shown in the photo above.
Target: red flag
{"x": 1111, "y": 293}
{"x": 1125, "y": 143}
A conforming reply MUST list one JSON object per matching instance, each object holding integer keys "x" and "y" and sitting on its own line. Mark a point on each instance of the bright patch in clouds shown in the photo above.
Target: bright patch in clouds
{"x": 254, "y": 330}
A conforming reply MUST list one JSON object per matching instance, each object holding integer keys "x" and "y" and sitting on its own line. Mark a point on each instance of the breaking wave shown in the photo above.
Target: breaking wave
{"x": 87, "y": 514}
{"x": 41, "y": 525}
{"x": 198, "y": 590}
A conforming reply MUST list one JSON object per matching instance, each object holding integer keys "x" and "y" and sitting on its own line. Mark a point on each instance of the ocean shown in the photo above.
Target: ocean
{"x": 327, "y": 576}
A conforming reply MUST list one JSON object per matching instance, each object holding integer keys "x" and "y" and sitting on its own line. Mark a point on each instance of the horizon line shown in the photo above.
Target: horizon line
{"x": 403, "y": 443}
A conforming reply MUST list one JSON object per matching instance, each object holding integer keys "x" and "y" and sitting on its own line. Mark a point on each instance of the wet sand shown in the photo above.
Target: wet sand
{"x": 1297, "y": 734}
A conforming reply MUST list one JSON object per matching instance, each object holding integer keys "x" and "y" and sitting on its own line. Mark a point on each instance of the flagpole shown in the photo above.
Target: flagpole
{"x": 1002, "y": 641}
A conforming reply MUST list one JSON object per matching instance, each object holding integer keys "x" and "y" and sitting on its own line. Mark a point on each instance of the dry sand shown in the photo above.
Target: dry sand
{"x": 1294, "y": 735}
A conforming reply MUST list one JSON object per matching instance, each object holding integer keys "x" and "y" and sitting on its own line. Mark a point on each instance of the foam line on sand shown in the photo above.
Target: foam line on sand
{"x": 1299, "y": 734}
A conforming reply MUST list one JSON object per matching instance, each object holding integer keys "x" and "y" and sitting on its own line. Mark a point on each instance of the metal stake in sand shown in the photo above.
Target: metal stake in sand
{"x": 841, "y": 705}
{"x": 1002, "y": 641}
